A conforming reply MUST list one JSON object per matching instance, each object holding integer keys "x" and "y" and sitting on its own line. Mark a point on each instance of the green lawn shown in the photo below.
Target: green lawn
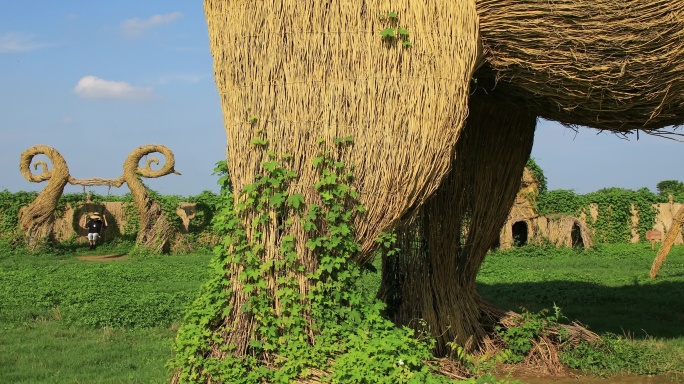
{"x": 608, "y": 289}
{"x": 64, "y": 320}
{"x": 52, "y": 352}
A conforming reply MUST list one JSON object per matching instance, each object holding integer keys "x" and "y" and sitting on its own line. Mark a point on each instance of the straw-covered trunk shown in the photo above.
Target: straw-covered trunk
{"x": 293, "y": 76}
{"x": 298, "y": 72}
{"x": 441, "y": 252}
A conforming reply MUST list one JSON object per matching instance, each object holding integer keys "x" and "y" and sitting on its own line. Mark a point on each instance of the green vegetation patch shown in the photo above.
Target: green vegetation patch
{"x": 608, "y": 290}
{"x": 132, "y": 293}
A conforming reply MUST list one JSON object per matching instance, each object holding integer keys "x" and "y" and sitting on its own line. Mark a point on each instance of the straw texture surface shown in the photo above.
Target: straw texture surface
{"x": 309, "y": 69}
{"x": 37, "y": 219}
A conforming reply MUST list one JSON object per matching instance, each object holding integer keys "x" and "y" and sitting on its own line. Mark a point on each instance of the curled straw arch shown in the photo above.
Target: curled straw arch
{"x": 155, "y": 228}
{"x": 36, "y": 219}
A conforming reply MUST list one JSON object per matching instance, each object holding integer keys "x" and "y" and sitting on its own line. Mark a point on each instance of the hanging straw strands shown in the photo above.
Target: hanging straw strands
{"x": 609, "y": 64}
{"x": 309, "y": 70}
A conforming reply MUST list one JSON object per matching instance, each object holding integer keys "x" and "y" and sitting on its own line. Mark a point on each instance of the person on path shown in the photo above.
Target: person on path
{"x": 95, "y": 227}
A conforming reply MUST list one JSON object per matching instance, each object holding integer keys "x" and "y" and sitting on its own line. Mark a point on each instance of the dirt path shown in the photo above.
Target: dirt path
{"x": 112, "y": 257}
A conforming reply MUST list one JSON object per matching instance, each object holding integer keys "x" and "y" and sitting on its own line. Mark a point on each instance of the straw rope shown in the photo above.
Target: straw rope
{"x": 434, "y": 279}
{"x": 608, "y": 64}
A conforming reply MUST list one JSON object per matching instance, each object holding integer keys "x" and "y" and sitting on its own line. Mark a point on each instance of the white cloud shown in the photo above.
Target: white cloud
{"x": 93, "y": 87}
{"x": 136, "y": 27}
{"x": 17, "y": 42}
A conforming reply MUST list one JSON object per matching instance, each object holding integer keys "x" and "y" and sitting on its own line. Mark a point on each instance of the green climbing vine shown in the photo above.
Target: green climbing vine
{"x": 538, "y": 174}
{"x": 354, "y": 343}
{"x": 614, "y": 221}
{"x": 392, "y": 32}
{"x": 561, "y": 201}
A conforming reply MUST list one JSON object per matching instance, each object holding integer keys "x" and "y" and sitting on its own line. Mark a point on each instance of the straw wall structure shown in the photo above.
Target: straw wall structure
{"x": 608, "y": 64}
{"x": 569, "y": 231}
{"x": 71, "y": 222}
{"x": 434, "y": 279}
{"x": 309, "y": 69}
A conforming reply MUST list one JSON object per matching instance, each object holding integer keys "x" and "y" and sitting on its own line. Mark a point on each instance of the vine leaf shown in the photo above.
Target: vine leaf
{"x": 387, "y": 33}
{"x": 295, "y": 201}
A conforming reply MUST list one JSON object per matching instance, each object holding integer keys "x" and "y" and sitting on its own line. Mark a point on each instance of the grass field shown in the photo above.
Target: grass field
{"x": 608, "y": 289}
{"x": 66, "y": 320}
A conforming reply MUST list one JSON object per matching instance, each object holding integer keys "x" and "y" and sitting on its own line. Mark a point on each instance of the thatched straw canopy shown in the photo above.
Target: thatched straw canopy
{"x": 608, "y": 64}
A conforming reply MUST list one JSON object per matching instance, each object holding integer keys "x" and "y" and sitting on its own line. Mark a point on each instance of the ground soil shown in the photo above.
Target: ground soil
{"x": 112, "y": 257}
{"x": 576, "y": 377}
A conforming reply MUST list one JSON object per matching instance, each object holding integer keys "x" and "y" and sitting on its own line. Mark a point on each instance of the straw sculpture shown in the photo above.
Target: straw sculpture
{"x": 664, "y": 250}
{"x": 309, "y": 70}
{"x": 434, "y": 279}
{"x": 296, "y": 72}
{"x": 155, "y": 228}
{"x": 37, "y": 219}
{"x": 609, "y": 64}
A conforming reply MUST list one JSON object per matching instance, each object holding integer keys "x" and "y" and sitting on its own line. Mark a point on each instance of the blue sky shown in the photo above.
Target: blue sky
{"x": 97, "y": 79}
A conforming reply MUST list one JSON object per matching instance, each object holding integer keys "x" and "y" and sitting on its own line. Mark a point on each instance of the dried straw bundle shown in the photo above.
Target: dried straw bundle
{"x": 669, "y": 240}
{"x": 609, "y": 64}
{"x": 309, "y": 69}
{"x": 544, "y": 356}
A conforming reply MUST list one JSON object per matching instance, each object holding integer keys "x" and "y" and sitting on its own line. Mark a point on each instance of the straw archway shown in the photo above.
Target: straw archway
{"x": 36, "y": 220}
